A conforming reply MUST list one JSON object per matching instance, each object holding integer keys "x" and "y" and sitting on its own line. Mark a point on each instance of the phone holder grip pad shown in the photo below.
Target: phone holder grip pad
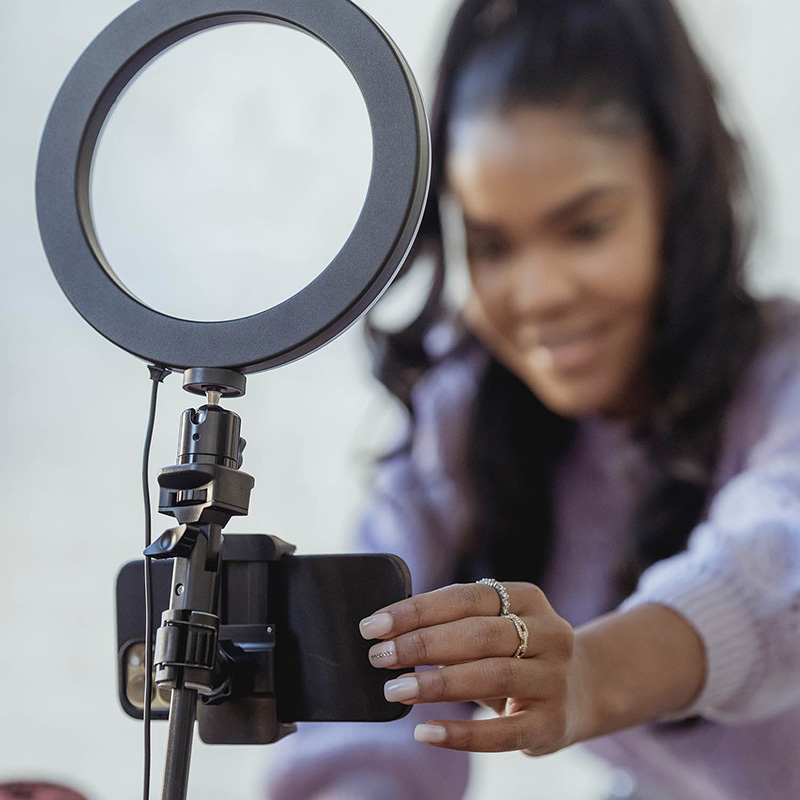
{"x": 322, "y": 664}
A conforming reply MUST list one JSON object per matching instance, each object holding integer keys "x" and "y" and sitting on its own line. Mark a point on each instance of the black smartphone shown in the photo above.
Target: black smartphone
{"x": 311, "y": 604}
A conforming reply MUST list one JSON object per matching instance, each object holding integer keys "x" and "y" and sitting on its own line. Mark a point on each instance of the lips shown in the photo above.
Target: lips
{"x": 568, "y": 351}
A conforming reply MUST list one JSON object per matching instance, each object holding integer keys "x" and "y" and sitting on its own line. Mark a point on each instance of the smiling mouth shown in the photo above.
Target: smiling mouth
{"x": 570, "y": 352}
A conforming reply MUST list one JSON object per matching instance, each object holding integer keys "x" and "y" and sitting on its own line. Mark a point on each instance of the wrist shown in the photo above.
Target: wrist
{"x": 632, "y": 667}
{"x": 590, "y": 704}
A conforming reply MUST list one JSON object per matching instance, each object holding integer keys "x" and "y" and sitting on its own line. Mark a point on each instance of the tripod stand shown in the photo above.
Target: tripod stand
{"x": 206, "y": 488}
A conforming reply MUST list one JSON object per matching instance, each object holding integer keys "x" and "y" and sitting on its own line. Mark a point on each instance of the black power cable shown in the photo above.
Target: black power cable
{"x": 157, "y": 374}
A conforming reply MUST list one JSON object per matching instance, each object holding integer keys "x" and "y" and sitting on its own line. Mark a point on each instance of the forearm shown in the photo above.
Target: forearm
{"x": 633, "y": 666}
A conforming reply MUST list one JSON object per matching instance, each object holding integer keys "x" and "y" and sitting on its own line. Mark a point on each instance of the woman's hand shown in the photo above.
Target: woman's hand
{"x": 539, "y": 697}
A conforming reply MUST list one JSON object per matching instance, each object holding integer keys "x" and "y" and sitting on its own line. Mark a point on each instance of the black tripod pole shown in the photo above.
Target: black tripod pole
{"x": 187, "y": 644}
{"x": 203, "y": 491}
{"x": 182, "y": 712}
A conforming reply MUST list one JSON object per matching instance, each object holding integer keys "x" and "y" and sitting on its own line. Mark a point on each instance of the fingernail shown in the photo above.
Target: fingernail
{"x": 375, "y": 627}
{"x": 430, "y": 733}
{"x": 401, "y": 689}
{"x": 382, "y": 655}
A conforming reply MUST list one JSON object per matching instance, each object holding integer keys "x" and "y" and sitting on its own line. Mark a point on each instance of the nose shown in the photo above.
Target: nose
{"x": 541, "y": 284}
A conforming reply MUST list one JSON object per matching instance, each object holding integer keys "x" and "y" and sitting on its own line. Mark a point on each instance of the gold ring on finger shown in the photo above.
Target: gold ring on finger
{"x": 522, "y": 632}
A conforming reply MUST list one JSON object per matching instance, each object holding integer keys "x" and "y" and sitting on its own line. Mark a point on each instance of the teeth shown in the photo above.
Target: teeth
{"x": 561, "y": 342}
{"x": 565, "y": 340}
{"x": 531, "y": 340}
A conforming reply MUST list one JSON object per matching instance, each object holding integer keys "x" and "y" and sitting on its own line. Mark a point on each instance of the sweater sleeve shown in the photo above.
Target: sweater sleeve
{"x": 738, "y": 582}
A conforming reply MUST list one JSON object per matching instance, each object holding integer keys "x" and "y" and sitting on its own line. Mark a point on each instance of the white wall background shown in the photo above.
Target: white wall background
{"x": 243, "y": 155}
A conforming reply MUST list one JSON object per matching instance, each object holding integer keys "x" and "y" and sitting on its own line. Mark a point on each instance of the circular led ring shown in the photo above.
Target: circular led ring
{"x": 336, "y": 298}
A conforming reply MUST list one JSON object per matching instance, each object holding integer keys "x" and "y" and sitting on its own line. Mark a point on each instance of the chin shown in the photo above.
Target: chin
{"x": 570, "y": 408}
{"x": 574, "y": 401}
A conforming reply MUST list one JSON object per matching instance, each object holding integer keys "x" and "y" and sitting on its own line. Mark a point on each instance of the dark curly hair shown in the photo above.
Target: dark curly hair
{"x": 500, "y": 54}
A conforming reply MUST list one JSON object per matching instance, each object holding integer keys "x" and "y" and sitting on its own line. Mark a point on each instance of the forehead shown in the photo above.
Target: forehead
{"x": 535, "y": 158}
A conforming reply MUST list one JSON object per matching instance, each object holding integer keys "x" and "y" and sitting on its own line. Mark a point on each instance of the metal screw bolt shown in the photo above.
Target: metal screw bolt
{"x": 179, "y": 589}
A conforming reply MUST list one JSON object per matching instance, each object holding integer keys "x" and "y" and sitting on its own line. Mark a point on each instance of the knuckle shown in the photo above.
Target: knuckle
{"x": 413, "y": 613}
{"x": 553, "y": 731}
{"x": 565, "y": 638}
{"x": 535, "y": 747}
{"x": 552, "y": 683}
{"x": 501, "y": 675}
{"x": 548, "y": 730}
{"x": 434, "y": 685}
{"x": 461, "y": 738}
{"x": 470, "y": 596}
{"x": 538, "y": 592}
{"x": 514, "y": 737}
{"x": 534, "y": 594}
{"x": 485, "y": 636}
{"x": 416, "y": 647}
{"x": 531, "y": 598}
{"x": 562, "y": 639}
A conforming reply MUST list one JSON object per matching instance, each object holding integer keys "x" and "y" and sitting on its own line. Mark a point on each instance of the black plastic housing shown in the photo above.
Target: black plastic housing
{"x": 298, "y": 616}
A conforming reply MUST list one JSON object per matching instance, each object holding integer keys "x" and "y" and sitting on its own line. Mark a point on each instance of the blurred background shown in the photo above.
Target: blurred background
{"x": 229, "y": 175}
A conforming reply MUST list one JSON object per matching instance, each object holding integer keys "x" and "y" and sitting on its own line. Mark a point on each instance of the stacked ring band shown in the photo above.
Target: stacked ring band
{"x": 505, "y": 600}
{"x": 522, "y": 632}
{"x": 505, "y": 611}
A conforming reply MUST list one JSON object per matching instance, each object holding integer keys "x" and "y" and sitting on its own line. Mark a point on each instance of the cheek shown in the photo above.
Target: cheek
{"x": 488, "y": 281}
{"x": 489, "y": 293}
{"x": 626, "y": 274}
{"x": 630, "y": 291}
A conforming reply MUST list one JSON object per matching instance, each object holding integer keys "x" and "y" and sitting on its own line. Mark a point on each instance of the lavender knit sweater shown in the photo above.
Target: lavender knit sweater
{"x": 738, "y": 584}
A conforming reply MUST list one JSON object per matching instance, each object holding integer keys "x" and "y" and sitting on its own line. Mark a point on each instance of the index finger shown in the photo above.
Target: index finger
{"x": 448, "y": 604}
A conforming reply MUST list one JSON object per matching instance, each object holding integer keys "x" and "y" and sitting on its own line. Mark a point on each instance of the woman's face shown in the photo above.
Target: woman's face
{"x": 564, "y": 232}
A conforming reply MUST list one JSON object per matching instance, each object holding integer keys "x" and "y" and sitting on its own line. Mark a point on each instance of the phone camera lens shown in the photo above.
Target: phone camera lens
{"x": 135, "y": 691}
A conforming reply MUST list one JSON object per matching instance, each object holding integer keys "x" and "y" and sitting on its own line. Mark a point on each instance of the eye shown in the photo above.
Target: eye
{"x": 590, "y": 231}
{"x": 486, "y": 249}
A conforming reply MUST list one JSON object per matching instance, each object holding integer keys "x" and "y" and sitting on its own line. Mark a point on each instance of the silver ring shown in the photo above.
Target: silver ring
{"x": 505, "y": 600}
{"x": 522, "y": 632}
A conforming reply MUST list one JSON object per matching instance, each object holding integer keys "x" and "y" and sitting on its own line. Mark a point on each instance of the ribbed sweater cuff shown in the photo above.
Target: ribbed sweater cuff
{"x": 712, "y": 607}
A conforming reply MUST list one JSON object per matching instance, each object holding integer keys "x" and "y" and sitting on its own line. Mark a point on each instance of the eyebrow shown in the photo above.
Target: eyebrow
{"x": 559, "y": 213}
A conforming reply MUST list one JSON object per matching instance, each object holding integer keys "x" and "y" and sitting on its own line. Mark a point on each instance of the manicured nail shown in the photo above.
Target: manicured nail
{"x": 375, "y": 627}
{"x": 382, "y": 655}
{"x": 430, "y": 733}
{"x": 401, "y": 689}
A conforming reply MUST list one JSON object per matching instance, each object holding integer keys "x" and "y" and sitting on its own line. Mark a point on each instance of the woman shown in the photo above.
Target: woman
{"x": 610, "y": 426}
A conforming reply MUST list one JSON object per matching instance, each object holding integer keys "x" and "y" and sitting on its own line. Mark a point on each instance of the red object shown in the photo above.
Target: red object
{"x": 35, "y": 790}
